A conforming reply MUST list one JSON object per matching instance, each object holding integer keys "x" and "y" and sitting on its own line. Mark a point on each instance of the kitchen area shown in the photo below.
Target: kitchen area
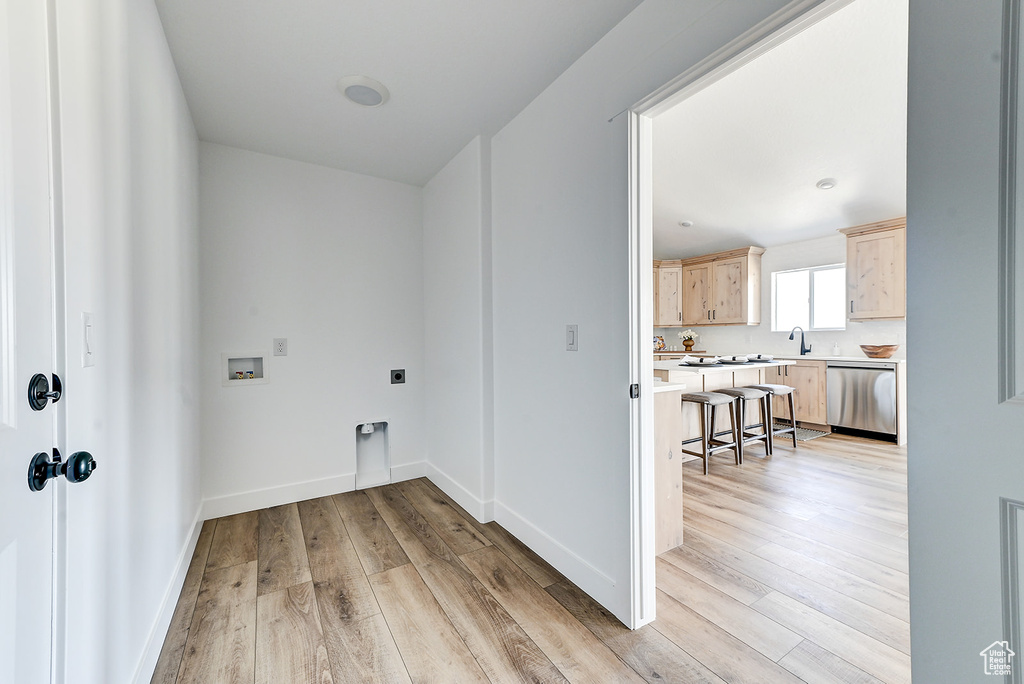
{"x": 779, "y": 279}
{"x": 779, "y": 243}
{"x": 850, "y": 379}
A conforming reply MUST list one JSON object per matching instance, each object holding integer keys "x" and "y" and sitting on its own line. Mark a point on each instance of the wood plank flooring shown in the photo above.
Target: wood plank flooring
{"x": 793, "y": 569}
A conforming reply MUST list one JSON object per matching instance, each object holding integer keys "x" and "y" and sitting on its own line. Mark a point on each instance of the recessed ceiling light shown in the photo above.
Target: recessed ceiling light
{"x": 826, "y": 183}
{"x": 686, "y": 223}
{"x": 364, "y": 91}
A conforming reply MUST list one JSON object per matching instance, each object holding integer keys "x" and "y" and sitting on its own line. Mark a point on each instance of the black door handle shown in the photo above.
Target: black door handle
{"x": 41, "y": 469}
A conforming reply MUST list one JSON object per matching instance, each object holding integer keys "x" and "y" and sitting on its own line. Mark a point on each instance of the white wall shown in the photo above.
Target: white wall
{"x": 965, "y": 449}
{"x": 332, "y": 261}
{"x": 457, "y": 301}
{"x": 759, "y": 339}
{"x": 130, "y": 182}
{"x": 560, "y": 231}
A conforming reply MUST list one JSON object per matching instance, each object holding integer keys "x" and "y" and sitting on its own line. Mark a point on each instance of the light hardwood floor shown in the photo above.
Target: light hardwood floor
{"x": 793, "y": 569}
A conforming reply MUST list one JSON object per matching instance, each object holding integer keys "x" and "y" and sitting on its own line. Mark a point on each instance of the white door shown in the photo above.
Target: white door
{"x": 26, "y": 343}
{"x": 965, "y": 270}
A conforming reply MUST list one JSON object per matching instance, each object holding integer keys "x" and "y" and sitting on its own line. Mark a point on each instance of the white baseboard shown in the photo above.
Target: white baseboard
{"x": 483, "y": 511}
{"x": 595, "y": 583}
{"x": 158, "y": 633}
{"x": 242, "y": 502}
{"x": 409, "y": 471}
{"x": 231, "y": 504}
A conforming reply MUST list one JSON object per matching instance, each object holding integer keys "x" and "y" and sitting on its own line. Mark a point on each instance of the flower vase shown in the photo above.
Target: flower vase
{"x": 688, "y": 345}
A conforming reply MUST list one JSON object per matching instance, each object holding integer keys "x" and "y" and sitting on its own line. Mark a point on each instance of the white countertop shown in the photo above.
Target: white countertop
{"x": 816, "y": 357}
{"x": 724, "y": 368}
{"x": 661, "y": 386}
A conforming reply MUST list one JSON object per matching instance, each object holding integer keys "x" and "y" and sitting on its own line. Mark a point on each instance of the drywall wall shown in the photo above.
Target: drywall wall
{"x": 560, "y": 256}
{"x": 456, "y": 293}
{"x": 332, "y": 261}
{"x": 964, "y": 447}
{"x": 759, "y": 339}
{"x": 130, "y": 214}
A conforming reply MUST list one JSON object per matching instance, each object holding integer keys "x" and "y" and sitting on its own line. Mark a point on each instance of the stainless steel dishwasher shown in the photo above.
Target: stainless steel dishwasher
{"x": 862, "y": 395}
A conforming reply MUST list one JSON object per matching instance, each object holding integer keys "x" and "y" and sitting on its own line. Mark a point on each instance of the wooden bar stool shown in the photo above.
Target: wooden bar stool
{"x": 707, "y": 403}
{"x": 780, "y": 391}
{"x": 746, "y": 435}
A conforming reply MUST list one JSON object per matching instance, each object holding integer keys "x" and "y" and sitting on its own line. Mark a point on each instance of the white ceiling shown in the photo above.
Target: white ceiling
{"x": 741, "y": 158}
{"x": 261, "y": 74}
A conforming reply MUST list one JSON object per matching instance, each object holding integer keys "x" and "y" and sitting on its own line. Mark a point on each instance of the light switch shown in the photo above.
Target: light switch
{"x": 572, "y": 338}
{"x": 88, "y": 341}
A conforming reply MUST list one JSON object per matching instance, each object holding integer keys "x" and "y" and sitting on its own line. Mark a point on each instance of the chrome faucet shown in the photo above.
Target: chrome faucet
{"x": 803, "y": 348}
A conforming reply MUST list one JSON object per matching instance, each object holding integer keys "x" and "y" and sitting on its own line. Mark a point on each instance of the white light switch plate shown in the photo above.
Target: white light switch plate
{"x": 572, "y": 338}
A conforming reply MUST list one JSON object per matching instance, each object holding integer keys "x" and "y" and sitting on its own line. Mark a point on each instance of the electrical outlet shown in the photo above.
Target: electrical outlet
{"x": 280, "y": 346}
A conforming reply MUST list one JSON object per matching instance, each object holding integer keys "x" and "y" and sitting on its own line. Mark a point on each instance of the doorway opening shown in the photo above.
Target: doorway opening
{"x": 691, "y": 211}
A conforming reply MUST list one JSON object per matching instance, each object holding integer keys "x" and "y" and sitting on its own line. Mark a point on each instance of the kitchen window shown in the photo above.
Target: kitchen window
{"x": 812, "y": 298}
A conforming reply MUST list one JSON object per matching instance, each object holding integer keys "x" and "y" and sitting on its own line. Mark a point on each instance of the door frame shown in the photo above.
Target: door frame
{"x": 789, "y": 21}
{"x": 59, "y": 574}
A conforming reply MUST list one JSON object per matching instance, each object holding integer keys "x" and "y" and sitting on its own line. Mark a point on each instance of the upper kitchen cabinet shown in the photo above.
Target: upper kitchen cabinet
{"x": 876, "y": 270}
{"x": 667, "y": 294}
{"x": 722, "y": 288}
{"x": 696, "y": 294}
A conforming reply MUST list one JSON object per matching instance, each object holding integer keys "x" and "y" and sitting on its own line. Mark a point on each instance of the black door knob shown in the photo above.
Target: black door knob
{"x": 42, "y": 469}
{"x": 79, "y": 466}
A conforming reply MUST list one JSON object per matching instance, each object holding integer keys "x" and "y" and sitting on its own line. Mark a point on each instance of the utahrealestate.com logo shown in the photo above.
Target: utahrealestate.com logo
{"x": 998, "y": 658}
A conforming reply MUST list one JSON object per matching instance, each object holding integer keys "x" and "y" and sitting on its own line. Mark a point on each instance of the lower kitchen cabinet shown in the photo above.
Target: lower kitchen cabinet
{"x": 808, "y": 378}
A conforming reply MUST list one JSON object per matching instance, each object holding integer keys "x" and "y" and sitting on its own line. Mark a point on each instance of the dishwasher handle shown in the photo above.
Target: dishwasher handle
{"x": 861, "y": 365}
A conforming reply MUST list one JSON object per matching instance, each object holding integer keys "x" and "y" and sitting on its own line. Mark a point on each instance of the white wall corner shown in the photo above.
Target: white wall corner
{"x": 158, "y": 633}
{"x": 486, "y": 328}
{"x": 231, "y": 504}
{"x": 480, "y": 509}
{"x": 595, "y": 583}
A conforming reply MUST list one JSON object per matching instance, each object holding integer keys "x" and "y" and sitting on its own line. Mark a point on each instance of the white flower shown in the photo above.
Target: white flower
{"x": 687, "y": 335}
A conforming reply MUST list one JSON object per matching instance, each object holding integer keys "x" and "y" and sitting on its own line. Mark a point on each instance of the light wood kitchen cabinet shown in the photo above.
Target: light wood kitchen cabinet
{"x": 667, "y": 294}
{"x": 732, "y": 278}
{"x": 654, "y": 281}
{"x": 876, "y": 270}
{"x": 696, "y": 299}
{"x": 808, "y": 378}
{"x": 722, "y": 288}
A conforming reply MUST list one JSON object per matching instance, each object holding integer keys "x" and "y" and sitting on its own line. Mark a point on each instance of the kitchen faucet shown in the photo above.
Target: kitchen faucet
{"x": 803, "y": 348}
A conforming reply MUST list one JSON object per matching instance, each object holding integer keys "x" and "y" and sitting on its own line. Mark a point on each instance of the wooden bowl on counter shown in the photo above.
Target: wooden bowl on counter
{"x": 879, "y": 351}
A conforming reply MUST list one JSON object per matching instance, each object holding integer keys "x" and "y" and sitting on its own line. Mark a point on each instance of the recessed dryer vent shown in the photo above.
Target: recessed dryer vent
{"x": 373, "y": 455}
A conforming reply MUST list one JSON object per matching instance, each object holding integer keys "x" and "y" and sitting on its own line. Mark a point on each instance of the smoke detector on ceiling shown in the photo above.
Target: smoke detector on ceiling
{"x": 364, "y": 91}
{"x": 686, "y": 223}
{"x": 826, "y": 183}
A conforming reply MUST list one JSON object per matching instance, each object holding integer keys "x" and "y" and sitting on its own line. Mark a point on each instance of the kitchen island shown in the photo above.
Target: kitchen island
{"x": 674, "y": 422}
{"x": 714, "y": 377}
